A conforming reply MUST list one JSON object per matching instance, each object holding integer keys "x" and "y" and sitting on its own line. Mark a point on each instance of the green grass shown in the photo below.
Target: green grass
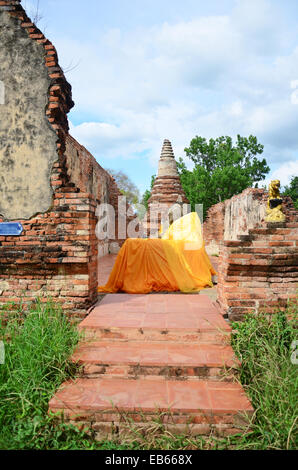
{"x": 263, "y": 343}
{"x": 38, "y": 345}
{"x": 38, "y": 348}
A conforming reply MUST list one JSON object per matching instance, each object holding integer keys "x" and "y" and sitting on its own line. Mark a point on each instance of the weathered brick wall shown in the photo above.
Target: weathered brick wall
{"x": 257, "y": 264}
{"x": 55, "y": 256}
{"x": 84, "y": 171}
{"x": 57, "y": 253}
{"x": 33, "y": 120}
{"x": 259, "y": 270}
{"x": 236, "y": 216}
{"x": 213, "y": 228}
{"x": 243, "y": 212}
{"x": 233, "y": 217}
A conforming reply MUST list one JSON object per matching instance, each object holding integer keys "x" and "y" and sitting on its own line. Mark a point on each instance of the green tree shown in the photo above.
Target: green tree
{"x": 292, "y": 190}
{"x": 221, "y": 169}
{"x": 147, "y": 193}
{"x": 126, "y": 186}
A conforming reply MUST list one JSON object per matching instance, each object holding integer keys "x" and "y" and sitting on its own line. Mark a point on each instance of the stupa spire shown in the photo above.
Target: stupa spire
{"x": 167, "y": 190}
{"x": 167, "y": 165}
{"x": 167, "y": 186}
{"x": 167, "y": 150}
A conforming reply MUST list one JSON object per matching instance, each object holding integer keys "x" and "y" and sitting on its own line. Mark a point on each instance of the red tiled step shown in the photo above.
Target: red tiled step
{"x": 100, "y": 401}
{"x": 211, "y": 336}
{"x": 175, "y": 317}
{"x": 155, "y": 338}
{"x": 135, "y": 359}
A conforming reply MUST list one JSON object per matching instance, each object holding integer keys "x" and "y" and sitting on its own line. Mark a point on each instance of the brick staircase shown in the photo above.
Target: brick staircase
{"x": 144, "y": 356}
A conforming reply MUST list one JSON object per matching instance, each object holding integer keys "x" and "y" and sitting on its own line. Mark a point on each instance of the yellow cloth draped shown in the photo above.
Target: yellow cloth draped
{"x": 187, "y": 229}
{"x": 176, "y": 262}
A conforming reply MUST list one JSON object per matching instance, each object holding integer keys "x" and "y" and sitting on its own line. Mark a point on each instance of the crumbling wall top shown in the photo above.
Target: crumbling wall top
{"x": 60, "y": 100}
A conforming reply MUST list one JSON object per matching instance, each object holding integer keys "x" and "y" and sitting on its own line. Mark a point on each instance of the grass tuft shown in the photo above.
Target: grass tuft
{"x": 38, "y": 345}
{"x": 263, "y": 344}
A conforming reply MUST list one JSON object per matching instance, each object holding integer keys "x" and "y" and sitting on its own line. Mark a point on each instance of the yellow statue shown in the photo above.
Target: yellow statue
{"x": 274, "y": 208}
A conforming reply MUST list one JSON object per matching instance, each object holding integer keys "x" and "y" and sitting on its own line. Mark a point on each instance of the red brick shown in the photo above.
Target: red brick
{"x": 277, "y": 237}
{"x": 36, "y": 36}
{"x": 281, "y": 244}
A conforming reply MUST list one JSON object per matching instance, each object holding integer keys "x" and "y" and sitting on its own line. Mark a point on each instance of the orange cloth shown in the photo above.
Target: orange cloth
{"x": 143, "y": 266}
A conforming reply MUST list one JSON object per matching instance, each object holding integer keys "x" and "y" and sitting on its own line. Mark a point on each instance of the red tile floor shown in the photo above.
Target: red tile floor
{"x": 144, "y": 354}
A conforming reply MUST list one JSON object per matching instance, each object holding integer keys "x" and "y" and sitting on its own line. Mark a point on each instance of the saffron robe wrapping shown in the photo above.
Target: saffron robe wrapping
{"x": 177, "y": 262}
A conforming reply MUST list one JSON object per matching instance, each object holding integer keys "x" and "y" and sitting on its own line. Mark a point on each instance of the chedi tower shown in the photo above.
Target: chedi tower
{"x": 167, "y": 186}
{"x": 167, "y": 190}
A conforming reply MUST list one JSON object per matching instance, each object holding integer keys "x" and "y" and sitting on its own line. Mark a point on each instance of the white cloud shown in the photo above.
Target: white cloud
{"x": 284, "y": 173}
{"x": 260, "y": 25}
{"x": 211, "y": 76}
{"x": 236, "y": 108}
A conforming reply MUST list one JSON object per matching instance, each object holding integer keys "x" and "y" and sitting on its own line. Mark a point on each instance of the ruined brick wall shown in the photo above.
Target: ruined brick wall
{"x": 236, "y": 216}
{"x": 55, "y": 256}
{"x": 33, "y": 116}
{"x": 233, "y": 217}
{"x": 213, "y": 228}
{"x": 257, "y": 264}
{"x": 259, "y": 270}
{"x": 243, "y": 212}
{"x": 57, "y": 253}
{"x": 84, "y": 171}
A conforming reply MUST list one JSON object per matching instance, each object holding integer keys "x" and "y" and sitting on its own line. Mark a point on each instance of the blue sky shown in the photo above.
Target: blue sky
{"x": 146, "y": 70}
